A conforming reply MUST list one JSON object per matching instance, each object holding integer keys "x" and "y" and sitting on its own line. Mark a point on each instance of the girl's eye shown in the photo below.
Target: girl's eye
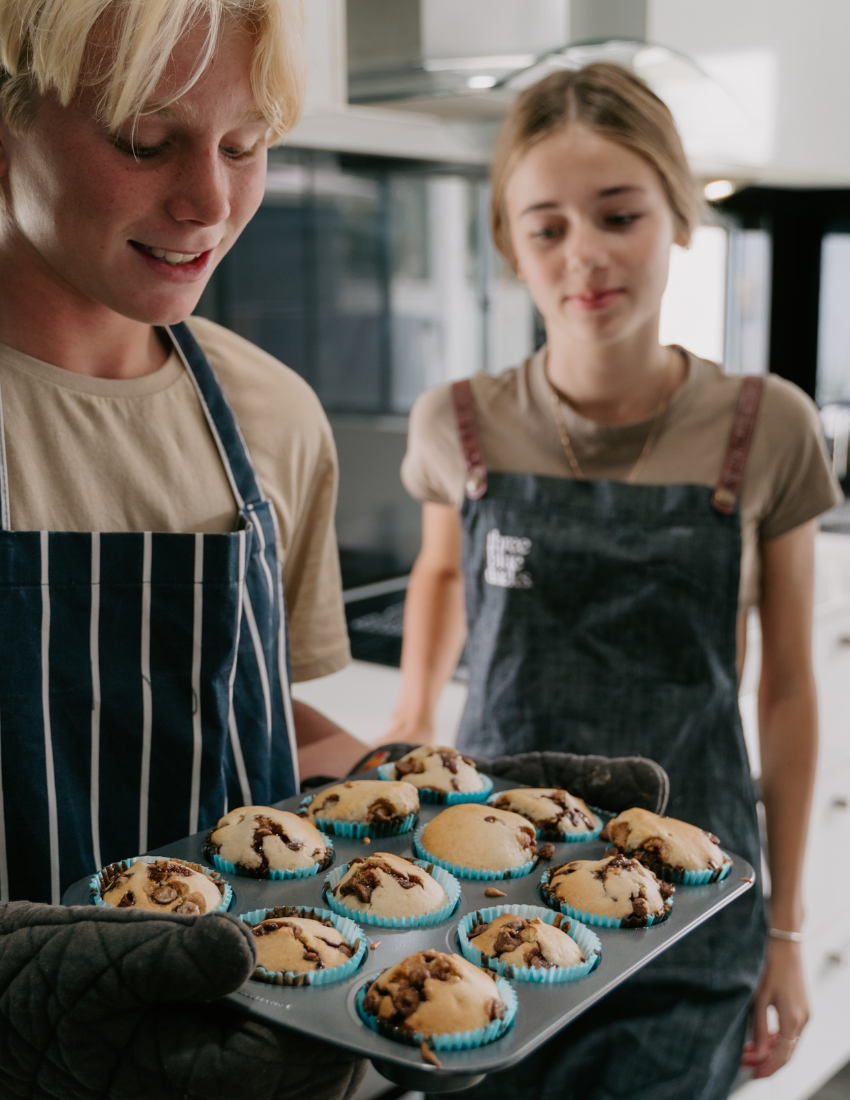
{"x": 549, "y": 232}
{"x": 621, "y": 221}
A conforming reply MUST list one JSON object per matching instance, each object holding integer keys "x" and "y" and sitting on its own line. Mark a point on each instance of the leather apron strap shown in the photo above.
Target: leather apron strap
{"x": 725, "y": 496}
{"x": 467, "y": 425}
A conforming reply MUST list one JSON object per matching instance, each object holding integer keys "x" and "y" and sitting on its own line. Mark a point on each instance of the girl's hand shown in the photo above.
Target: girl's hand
{"x": 783, "y": 986}
{"x": 404, "y": 726}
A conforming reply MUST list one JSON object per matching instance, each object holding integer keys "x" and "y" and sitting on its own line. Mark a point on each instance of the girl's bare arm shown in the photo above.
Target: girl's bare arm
{"x": 434, "y": 624}
{"x": 788, "y": 741}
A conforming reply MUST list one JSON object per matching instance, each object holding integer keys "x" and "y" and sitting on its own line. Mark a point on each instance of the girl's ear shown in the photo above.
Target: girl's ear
{"x": 683, "y": 237}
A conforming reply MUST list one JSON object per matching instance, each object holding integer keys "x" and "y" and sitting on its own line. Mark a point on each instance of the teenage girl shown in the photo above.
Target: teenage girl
{"x": 610, "y": 510}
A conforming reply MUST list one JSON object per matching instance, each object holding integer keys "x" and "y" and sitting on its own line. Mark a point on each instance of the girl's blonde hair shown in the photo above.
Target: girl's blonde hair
{"x": 611, "y": 101}
{"x": 60, "y": 46}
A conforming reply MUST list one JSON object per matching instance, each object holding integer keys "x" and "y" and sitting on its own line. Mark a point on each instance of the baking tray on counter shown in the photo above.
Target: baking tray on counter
{"x": 328, "y": 1011}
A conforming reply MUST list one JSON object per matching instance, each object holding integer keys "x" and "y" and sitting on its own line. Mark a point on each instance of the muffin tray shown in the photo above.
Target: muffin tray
{"x": 328, "y": 1012}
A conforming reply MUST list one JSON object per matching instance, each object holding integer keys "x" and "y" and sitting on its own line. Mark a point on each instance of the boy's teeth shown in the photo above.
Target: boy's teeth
{"x": 173, "y": 257}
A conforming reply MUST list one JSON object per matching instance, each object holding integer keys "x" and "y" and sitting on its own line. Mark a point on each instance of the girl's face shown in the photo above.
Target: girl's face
{"x": 591, "y": 230}
{"x": 138, "y": 222}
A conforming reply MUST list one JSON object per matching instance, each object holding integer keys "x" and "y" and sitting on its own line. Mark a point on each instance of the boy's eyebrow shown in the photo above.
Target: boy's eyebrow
{"x": 183, "y": 111}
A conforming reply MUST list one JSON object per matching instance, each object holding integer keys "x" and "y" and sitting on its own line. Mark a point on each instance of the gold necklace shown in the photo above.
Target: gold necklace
{"x": 575, "y": 465}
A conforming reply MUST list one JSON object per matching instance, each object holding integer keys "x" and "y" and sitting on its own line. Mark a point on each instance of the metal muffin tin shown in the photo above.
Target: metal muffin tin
{"x": 328, "y": 1012}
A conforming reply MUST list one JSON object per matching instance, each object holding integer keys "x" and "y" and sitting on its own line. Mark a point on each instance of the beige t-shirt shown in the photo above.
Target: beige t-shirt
{"x": 96, "y": 454}
{"x": 786, "y": 482}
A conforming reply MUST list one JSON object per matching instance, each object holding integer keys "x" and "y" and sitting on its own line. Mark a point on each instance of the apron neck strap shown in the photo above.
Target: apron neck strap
{"x": 726, "y": 491}
{"x": 5, "y": 514}
{"x": 467, "y": 426}
{"x": 222, "y": 422}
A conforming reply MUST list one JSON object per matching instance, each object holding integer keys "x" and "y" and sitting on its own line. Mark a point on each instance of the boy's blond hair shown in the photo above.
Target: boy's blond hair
{"x": 121, "y": 48}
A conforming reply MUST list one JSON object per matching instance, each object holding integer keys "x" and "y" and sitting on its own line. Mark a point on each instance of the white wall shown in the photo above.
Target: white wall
{"x": 786, "y": 62}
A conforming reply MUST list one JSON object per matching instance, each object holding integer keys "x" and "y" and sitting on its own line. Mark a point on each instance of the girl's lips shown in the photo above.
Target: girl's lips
{"x": 594, "y": 300}
{"x": 177, "y": 273}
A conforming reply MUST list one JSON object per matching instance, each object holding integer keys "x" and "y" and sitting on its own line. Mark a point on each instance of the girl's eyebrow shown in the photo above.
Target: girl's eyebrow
{"x": 606, "y": 193}
{"x": 623, "y": 189}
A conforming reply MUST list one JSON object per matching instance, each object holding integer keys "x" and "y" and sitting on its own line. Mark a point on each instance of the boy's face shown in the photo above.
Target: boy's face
{"x": 90, "y": 217}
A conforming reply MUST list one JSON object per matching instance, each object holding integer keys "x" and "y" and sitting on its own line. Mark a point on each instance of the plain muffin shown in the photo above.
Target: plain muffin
{"x": 438, "y": 768}
{"x": 389, "y": 886}
{"x": 554, "y": 811}
{"x": 434, "y": 993}
{"x": 259, "y": 839}
{"x": 664, "y": 843}
{"x": 514, "y": 940}
{"x": 299, "y": 944}
{"x": 611, "y": 887}
{"x": 165, "y": 886}
{"x": 369, "y": 801}
{"x": 482, "y": 837}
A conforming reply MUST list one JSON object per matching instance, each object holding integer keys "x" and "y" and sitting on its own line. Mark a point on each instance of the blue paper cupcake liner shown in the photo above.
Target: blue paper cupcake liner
{"x": 230, "y": 868}
{"x": 449, "y": 1040}
{"x": 358, "y": 829}
{"x": 701, "y": 878}
{"x": 96, "y": 881}
{"x": 600, "y": 920}
{"x": 562, "y": 838}
{"x": 588, "y": 943}
{"x": 448, "y": 882}
{"x": 481, "y": 873}
{"x": 339, "y": 973}
{"x": 441, "y": 798}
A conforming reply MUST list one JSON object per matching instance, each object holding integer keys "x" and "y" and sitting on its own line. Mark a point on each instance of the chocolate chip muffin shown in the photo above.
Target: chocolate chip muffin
{"x": 436, "y": 768}
{"x": 556, "y": 813}
{"x": 259, "y": 840}
{"x": 299, "y": 944}
{"x": 164, "y": 886}
{"x": 434, "y": 993}
{"x": 666, "y": 846}
{"x": 611, "y": 887}
{"x": 513, "y": 940}
{"x": 389, "y": 886}
{"x": 481, "y": 837}
{"x": 370, "y": 801}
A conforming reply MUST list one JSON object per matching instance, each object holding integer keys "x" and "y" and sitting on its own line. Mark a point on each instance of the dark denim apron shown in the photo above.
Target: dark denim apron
{"x": 602, "y": 619}
{"x": 143, "y": 678}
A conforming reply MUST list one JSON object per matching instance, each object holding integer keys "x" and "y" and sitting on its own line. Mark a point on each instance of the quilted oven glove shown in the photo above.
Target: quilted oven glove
{"x": 612, "y": 783}
{"x": 115, "y": 1004}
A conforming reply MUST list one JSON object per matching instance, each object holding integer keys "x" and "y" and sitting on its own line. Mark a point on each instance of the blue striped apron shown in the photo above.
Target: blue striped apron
{"x": 144, "y": 682}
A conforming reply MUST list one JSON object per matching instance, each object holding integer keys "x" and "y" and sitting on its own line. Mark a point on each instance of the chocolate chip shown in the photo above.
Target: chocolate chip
{"x": 497, "y": 1008}
{"x": 492, "y": 892}
{"x": 164, "y": 895}
{"x": 127, "y": 901}
{"x": 188, "y": 909}
{"x": 372, "y": 1000}
{"x": 405, "y": 1001}
{"x": 546, "y": 851}
{"x": 490, "y": 818}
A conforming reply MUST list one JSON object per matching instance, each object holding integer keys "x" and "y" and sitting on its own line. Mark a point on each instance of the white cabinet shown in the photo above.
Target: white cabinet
{"x": 825, "y": 1045}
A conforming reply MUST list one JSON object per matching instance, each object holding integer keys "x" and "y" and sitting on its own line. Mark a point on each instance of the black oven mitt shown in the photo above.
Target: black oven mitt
{"x": 117, "y": 1004}
{"x": 613, "y": 783}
